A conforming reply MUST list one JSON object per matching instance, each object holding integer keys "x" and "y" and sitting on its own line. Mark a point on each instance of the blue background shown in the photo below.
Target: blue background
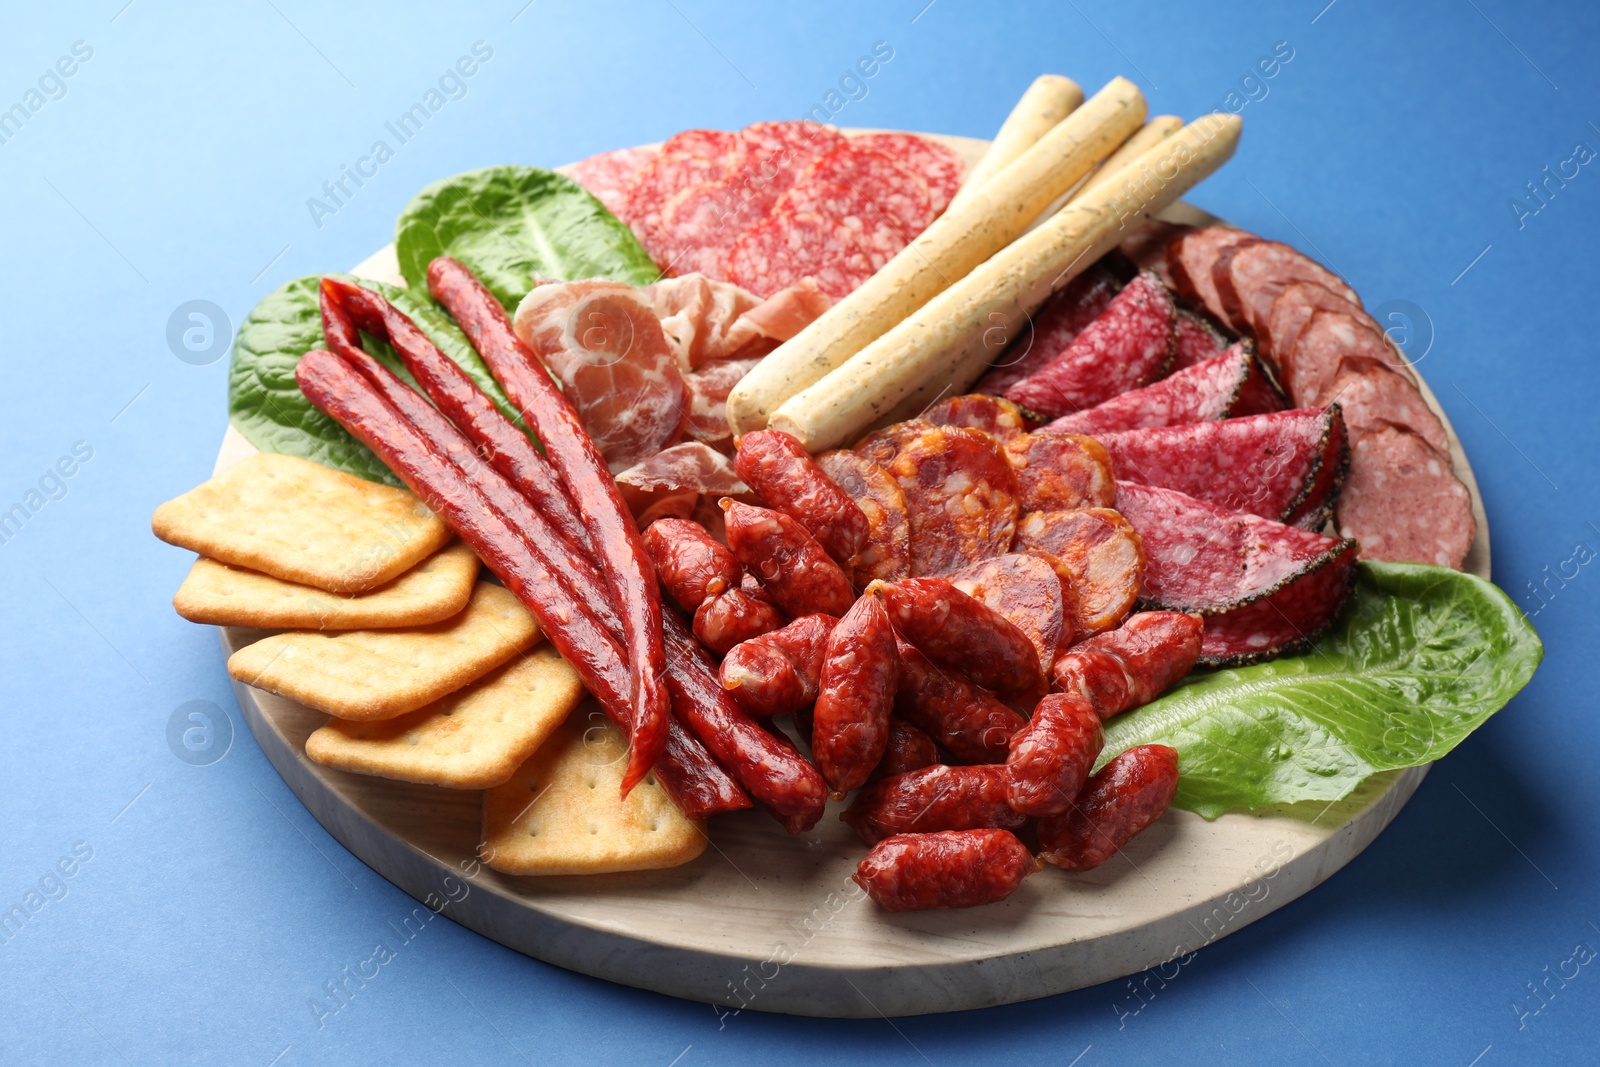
{"x": 177, "y": 167}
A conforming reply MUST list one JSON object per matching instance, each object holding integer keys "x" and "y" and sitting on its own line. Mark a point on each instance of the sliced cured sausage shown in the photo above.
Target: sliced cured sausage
{"x": 1097, "y": 554}
{"x": 886, "y": 555}
{"x": 976, "y": 411}
{"x": 951, "y": 869}
{"x": 881, "y": 446}
{"x": 608, "y": 175}
{"x": 700, "y": 224}
{"x": 941, "y": 168}
{"x": 1129, "y": 346}
{"x": 961, "y": 496}
{"x": 971, "y": 724}
{"x": 1209, "y": 390}
{"x": 1194, "y": 339}
{"x": 784, "y": 476}
{"x": 1146, "y": 247}
{"x": 1118, "y": 804}
{"x": 1026, "y": 591}
{"x": 1130, "y": 666}
{"x": 1327, "y": 339}
{"x": 880, "y": 187}
{"x": 1060, "y": 471}
{"x": 1403, "y": 503}
{"x": 1287, "y": 317}
{"x": 687, "y": 158}
{"x": 1251, "y": 276}
{"x": 1372, "y": 395}
{"x": 789, "y": 247}
{"x": 1052, "y": 328}
{"x": 1190, "y": 256}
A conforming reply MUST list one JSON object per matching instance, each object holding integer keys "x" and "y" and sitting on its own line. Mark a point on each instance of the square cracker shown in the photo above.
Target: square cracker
{"x": 432, "y": 591}
{"x": 562, "y": 811}
{"x": 303, "y": 522}
{"x": 474, "y": 738}
{"x": 379, "y": 674}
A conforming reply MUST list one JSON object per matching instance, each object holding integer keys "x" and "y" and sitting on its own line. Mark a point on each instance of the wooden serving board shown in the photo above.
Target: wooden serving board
{"x": 768, "y": 922}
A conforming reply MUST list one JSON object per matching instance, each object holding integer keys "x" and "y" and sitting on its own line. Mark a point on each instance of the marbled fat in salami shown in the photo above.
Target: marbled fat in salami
{"x": 941, "y": 168}
{"x": 789, "y": 247}
{"x": 887, "y": 553}
{"x": 688, "y": 158}
{"x": 1058, "y": 471}
{"x": 608, "y": 175}
{"x": 1208, "y": 390}
{"x": 1052, "y": 328}
{"x": 1099, "y": 557}
{"x": 884, "y": 188}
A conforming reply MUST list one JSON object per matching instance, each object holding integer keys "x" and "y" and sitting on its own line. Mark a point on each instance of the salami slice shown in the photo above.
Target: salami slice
{"x": 960, "y": 495}
{"x": 887, "y": 554}
{"x": 881, "y": 446}
{"x": 1061, "y": 471}
{"x": 1053, "y": 327}
{"x": 1277, "y": 466}
{"x": 602, "y": 340}
{"x": 688, "y": 158}
{"x": 1404, "y": 504}
{"x": 1253, "y": 275}
{"x": 1096, "y": 553}
{"x": 941, "y": 168}
{"x": 1287, "y": 317}
{"x": 1190, "y": 256}
{"x": 1372, "y": 396}
{"x": 871, "y": 227}
{"x": 888, "y": 189}
{"x": 1326, "y": 340}
{"x": 608, "y": 175}
{"x": 992, "y": 414}
{"x": 1242, "y": 572}
{"x": 1026, "y": 591}
{"x": 706, "y": 416}
{"x": 1129, "y": 346}
{"x": 1195, "y": 340}
{"x": 1146, "y": 247}
{"x": 773, "y": 155}
{"x": 789, "y": 247}
{"x": 1206, "y": 391}
{"x": 700, "y": 224}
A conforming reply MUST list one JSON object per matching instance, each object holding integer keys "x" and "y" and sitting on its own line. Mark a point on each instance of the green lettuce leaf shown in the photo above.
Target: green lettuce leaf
{"x": 1422, "y": 656}
{"x": 514, "y": 225}
{"x": 266, "y": 405}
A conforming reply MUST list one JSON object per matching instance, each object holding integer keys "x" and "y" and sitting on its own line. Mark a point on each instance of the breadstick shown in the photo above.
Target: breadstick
{"x": 1151, "y": 133}
{"x": 1048, "y": 100}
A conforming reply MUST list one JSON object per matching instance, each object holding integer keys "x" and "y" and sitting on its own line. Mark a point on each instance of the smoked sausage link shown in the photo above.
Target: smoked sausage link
{"x": 850, "y": 724}
{"x": 782, "y": 473}
{"x": 779, "y": 672}
{"x": 691, "y": 565}
{"x": 908, "y": 749}
{"x": 1051, "y": 757}
{"x": 962, "y": 634}
{"x": 737, "y": 615}
{"x": 1122, "y": 800}
{"x": 1130, "y": 666}
{"x": 969, "y": 722}
{"x": 933, "y": 798}
{"x": 787, "y": 560}
{"x": 949, "y": 869}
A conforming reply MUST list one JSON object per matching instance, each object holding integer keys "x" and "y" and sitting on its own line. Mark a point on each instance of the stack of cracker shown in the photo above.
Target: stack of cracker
{"x": 430, "y": 675}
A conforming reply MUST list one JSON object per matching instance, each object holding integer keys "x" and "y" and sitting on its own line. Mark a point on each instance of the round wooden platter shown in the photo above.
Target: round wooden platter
{"x": 767, "y": 922}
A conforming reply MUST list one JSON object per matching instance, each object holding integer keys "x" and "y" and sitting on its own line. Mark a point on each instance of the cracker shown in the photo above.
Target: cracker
{"x": 562, "y": 811}
{"x": 474, "y": 738}
{"x": 379, "y": 674}
{"x": 303, "y": 522}
{"x": 432, "y": 591}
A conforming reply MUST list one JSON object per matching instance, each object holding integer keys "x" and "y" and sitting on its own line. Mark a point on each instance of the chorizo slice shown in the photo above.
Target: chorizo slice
{"x": 1026, "y": 591}
{"x": 961, "y": 497}
{"x": 994, "y": 415}
{"x": 1095, "y": 551}
{"x": 1057, "y": 471}
{"x": 886, "y": 556}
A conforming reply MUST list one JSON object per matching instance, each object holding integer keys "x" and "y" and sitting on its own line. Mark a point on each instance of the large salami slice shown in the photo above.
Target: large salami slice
{"x": 1195, "y": 340}
{"x": 884, "y": 187}
{"x": 991, "y": 414}
{"x": 1190, "y": 256}
{"x": 1251, "y": 276}
{"x": 1327, "y": 339}
{"x": 1209, "y": 390}
{"x": 871, "y": 227}
{"x": 961, "y": 497}
{"x": 1060, "y": 471}
{"x": 887, "y": 554}
{"x": 789, "y": 247}
{"x": 700, "y": 224}
{"x": 688, "y": 158}
{"x": 1026, "y": 591}
{"x": 773, "y": 155}
{"x": 1281, "y": 466}
{"x": 1290, "y": 310}
{"x": 941, "y": 168}
{"x": 1053, "y": 327}
{"x": 1403, "y": 503}
{"x": 602, "y": 340}
{"x": 1129, "y": 346}
{"x": 1372, "y": 396}
{"x": 1205, "y": 559}
{"x": 608, "y": 175}
{"x": 1099, "y": 557}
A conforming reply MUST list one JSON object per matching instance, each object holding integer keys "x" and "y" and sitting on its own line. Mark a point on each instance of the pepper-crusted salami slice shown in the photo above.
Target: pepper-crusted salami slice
{"x": 1051, "y": 757}
{"x": 970, "y": 723}
{"x": 1290, "y": 310}
{"x": 604, "y": 344}
{"x": 781, "y": 779}
{"x": 886, "y": 555}
{"x": 1058, "y": 471}
{"x": 1025, "y": 590}
{"x": 737, "y": 615}
{"x": 1098, "y": 553}
{"x": 705, "y": 418}
{"x": 932, "y": 799}
{"x": 1190, "y": 257}
{"x": 908, "y": 749}
{"x": 961, "y": 496}
{"x": 1129, "y": 346}
{"x": 850, "y": 723}
{"x": 878, "y": 188}
{"x": 1118, "y": 804}
{"x": 608, "y": 175}
{"x": 941, "y": 168}
{"x": 1204, "y": 559}
{"x": 1277, "y": 466}
{"x": 1059, "y": 320}
{"x": 778, "y": 672}
{"x": 785, "y": 477}
{"x": 1327, "y": 339}
{"x": 994, "y": 415}
{"x": 1205, "y": 391}
{"x": 1253, "y": 275}
{"x": 1404, "y": 503}
{"x": 1371, "y": 396}
{"x": 1194, "y": 340}
{"x": 787, "y": 560}
{"x": 962, "y": 634}
{"x": 1130, "y": 666}
{"x": 950, "y": 869}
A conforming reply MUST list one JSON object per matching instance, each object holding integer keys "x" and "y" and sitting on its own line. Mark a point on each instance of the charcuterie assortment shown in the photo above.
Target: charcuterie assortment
{"x": 808, "y": 468}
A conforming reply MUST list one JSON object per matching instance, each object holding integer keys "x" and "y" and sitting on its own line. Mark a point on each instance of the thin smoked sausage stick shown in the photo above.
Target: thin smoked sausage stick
{"x": 613, "y": 535}
{"x": 685, "y": 770}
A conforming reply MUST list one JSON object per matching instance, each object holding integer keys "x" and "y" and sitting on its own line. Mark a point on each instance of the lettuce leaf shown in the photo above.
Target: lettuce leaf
{"x": 513, "y": 226}
{"x": 1422, "y": 656}
{"x": 266, "y": 405}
